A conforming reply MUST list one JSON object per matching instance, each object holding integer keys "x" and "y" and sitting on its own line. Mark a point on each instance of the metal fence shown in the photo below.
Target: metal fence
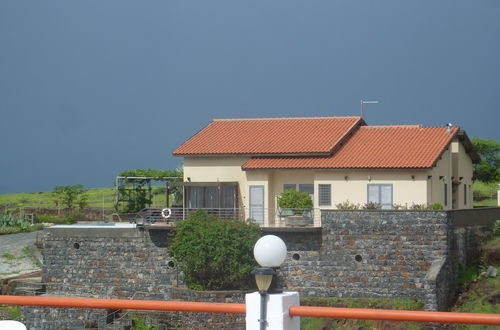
{"x": 264, "y": 217}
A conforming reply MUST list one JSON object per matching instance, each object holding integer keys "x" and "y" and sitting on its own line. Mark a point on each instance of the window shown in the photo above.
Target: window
{"x": 465, "y": 194}
{"x": 308, "y": 188}
{"x": 257, "y": 204}
{"x": 303, "y": 187}
{"x": 211, "y": 197}
{"x": 324, "y": 194}
{"x": 380, "y": 194}
{"x": 445, "y": 194}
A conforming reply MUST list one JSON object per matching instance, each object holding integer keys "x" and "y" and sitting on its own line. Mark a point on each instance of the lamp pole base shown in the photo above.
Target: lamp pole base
{"x": 276, "y": 314}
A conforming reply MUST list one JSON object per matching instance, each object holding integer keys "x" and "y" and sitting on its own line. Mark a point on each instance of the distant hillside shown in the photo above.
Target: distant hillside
{"x": 97, "y": 197}
{"x": 46, "y": 199}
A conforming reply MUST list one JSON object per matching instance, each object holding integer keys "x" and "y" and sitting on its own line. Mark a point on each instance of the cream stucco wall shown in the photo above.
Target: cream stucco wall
{"x": 408, "y": 186}
{"x": 214, "y": 169}
{"x": 217, "y": 169}
{"x": 440, "y": 175}
{"x": 463, "y": 172}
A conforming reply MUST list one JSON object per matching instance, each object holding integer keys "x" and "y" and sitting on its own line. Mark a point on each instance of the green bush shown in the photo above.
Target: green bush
{"x": 371, "y": 206}
{"x": 10, "y": 224}
{"x": 139, "y": 323}
{"x": 9, "y": 220}
{"x": 484, "y": 190}
{"x": 437, "y": 206}
{"x": 47, "y": 218}
{"x": 215, "y": 254}
{"x": 293, "y": 199}
{"x": 72, "y": 218}
{"x": 346, "y": 205}
{"x": 9, "y": 230}
{"x": 10, "y": 312}
{"x": 496, "y": 228}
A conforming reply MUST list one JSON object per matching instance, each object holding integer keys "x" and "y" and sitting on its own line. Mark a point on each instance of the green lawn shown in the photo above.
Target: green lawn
{"x": 46, "y": 199}
{"x": 97, "y": 197}
{"x": 485, "y": 194}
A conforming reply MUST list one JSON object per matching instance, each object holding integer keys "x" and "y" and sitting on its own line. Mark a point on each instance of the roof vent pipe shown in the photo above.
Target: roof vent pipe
{"x": 450, "y": 125}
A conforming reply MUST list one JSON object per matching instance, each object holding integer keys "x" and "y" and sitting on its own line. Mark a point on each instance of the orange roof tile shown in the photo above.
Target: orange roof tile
{"x": 270, "y": 136}
{"x": 373, "y": 147}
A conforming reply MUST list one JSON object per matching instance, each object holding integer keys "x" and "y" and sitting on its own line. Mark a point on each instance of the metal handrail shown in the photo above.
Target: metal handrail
{"x": 155, "y": 305}
{"x": 230, "y": 308}
{"x": 395, "y": 315}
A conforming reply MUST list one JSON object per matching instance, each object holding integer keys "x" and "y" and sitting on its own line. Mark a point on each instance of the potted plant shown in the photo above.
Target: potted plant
{"x": 295, "y": 207}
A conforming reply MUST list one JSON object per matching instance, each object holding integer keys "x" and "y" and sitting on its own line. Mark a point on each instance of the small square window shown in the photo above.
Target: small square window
{"x": 324, "y": 194}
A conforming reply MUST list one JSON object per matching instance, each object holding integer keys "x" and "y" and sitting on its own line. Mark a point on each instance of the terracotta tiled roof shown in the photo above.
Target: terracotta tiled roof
{"x": 373, "y": 147}
{"x": 270, "y": 136}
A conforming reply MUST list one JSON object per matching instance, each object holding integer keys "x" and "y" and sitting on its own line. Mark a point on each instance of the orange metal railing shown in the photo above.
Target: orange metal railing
{"x": 325, "y": 312}
{"x": 180, "y": 306}
{"x": 395, "y": 315}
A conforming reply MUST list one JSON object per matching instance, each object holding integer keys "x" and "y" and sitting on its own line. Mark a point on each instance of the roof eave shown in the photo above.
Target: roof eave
{"x": 469, "y": 147}
{"x": 423, "y": 168}
{"x": 274, "y": 155}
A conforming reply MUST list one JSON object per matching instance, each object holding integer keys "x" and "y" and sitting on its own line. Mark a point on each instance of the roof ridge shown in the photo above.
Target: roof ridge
{"x": 284, "y": 118}
{"x": 393, "y": 126}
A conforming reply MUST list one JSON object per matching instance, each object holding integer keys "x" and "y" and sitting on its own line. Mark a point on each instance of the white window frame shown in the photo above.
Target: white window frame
{"x": 322, "y": 202}
{"x": 379, "y": 186}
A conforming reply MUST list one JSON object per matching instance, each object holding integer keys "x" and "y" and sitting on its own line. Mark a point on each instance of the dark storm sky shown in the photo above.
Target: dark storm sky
{"x": 91, "y": 88}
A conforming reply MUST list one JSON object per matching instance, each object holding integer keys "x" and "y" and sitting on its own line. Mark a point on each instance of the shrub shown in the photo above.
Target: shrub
{"x": 371, "y": 206}
{"x": 47, "y": 218}
{"x": 414, "y": 206}
{"x": 346, "y": 205}
{"x": 484, "y": 190}
{"x": 293, "y": 199}
{"x": 9, "y": 230}
{"x": 214, "y": 254}
{"x": 67, "y": 219}
{"x": 496, "y": 228}
{"x": 72, "y": 218}
{"x": 9, "y": 220}
{"x": 437, "y": 206}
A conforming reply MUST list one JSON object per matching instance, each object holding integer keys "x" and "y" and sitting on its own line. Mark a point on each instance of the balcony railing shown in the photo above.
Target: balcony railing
{"x": 264, "y": 217}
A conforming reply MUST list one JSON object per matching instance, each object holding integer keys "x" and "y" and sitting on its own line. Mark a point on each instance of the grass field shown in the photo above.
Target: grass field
{"x": 105, "y": 197}
{"x": 97, "y": 197}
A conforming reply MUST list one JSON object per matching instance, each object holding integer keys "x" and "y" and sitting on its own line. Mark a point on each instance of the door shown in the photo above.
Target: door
{"x": 257, "y": 204}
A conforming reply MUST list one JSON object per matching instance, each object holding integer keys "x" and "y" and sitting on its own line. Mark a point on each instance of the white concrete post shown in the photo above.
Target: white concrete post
{"x": 498, "y": 195}
{"x": 12, "y": 325}
{"x": 277, "y": 305}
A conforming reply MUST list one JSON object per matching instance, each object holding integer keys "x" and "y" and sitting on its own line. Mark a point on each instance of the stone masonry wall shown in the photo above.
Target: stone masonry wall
{"x": 373, "y": 254}
{"x": 390, "y": 254}
{"x": 108, "y": 263}
{"x": 116, "y": 263}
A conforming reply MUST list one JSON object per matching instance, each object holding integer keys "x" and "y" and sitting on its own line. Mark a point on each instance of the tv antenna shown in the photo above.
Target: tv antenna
{"x": 366, "y": 102}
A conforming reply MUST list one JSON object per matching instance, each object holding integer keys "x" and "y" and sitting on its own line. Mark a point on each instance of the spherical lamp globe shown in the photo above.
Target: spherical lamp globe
{"x": 270, "y": 251}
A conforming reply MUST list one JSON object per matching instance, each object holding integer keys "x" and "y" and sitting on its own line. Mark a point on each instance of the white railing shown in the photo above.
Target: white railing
{"x": 264, "y": 217}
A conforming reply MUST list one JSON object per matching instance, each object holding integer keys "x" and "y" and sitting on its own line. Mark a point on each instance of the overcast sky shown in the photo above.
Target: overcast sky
{"x": 90, "y": 88}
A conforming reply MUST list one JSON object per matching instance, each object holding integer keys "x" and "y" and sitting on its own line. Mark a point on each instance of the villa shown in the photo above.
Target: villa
{"x": 242, "y": 165}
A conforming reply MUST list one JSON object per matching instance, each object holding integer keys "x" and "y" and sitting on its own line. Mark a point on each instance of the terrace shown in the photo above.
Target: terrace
{"x": 223, "y": 200}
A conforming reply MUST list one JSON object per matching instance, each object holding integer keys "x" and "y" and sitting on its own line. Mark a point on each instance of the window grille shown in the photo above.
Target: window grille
{"x": 324, "y": 195}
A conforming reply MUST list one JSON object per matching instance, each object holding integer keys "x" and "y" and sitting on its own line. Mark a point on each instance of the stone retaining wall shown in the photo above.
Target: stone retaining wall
{"x": 404, "y": 254}
{"x": 372, "y": 254}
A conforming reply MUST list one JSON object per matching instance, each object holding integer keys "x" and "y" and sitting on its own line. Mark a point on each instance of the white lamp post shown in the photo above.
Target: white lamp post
{"x": 269, "y": 251}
